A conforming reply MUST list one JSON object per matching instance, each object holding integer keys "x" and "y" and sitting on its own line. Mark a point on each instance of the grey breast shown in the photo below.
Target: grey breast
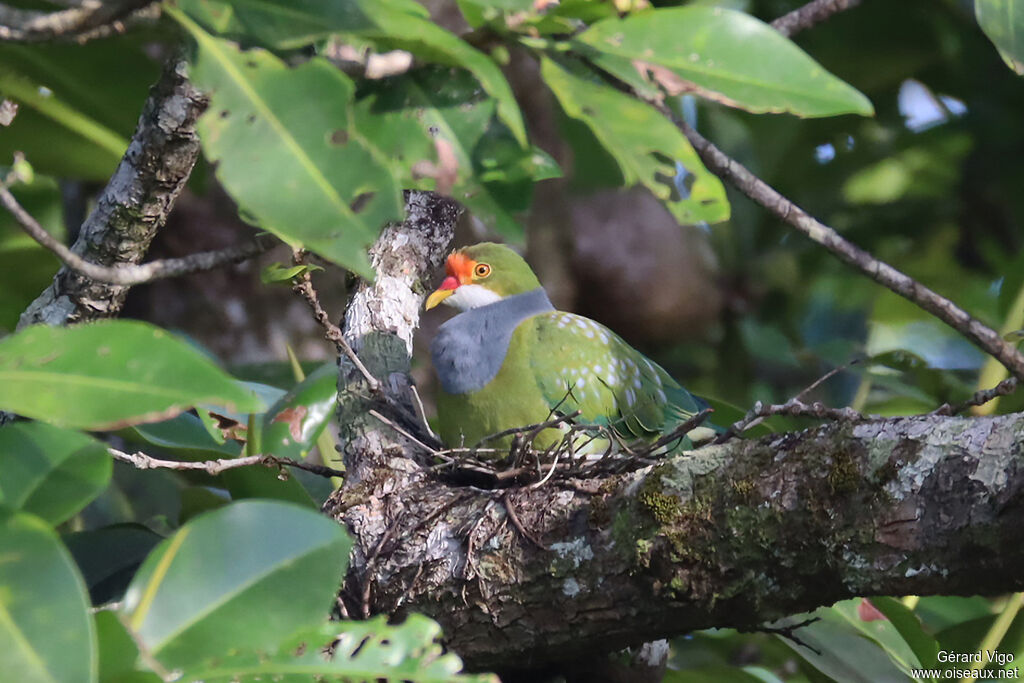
{"x": 469, "y": 349}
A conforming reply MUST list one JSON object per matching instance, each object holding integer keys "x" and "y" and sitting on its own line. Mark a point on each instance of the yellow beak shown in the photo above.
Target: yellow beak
{"x": 437, "y": 297}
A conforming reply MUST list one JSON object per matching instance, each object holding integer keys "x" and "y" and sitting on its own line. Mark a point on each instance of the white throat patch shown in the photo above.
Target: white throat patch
{"x": 467, "y": 297}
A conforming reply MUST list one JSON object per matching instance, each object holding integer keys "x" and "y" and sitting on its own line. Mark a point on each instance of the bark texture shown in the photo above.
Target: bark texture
{"x": 730, "y": 535}
{"x": 133, "y": 206}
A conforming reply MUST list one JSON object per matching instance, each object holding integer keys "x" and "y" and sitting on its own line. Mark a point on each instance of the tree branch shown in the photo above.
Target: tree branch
{"x": 132, "y": 274}
{"x": 132, "y": 207}
{"x": 810, "y": 14}
{"x": 142, "y": 461}
{"x": 88, "y": 20}
{"x": 732, "y": 535}
{"x": 984, "y": 337}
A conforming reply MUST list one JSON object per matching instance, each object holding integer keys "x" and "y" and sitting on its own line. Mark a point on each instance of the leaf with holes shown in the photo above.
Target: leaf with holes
{"x": 109, "y": 374}
{"x": 441, "y": 114}
{"x": 648, "y": 148}
{"x": 45, "y": 627}
{"x": 370, "y": 650}
{"x": 50, "y": 472}
{"x": 196, "y": 595}
{"x": 390, "y": 24}
{"x": 726, "y": 56}
{"x": 288, "y": 152}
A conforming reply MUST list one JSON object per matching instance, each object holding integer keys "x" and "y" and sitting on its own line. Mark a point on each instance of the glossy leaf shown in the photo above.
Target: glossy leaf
{"x": 396, "y": 24}
{"x": 293, "y": 424}
{"x": 369, "y": 650}
{"x": 50, "y": 472}
{"x": 108, "y": 557}
{"x": 118, "y": 652}
{"x": 646, "y": 145}
{"x": 439, "y": 119}
{"x": 197, "y": 594}
{"x": 1003, "y": 22}
{"x": 45, "y": 627}
{"x": 910, "y": 629}
{"x": 729, "y": 57}
{"x": 109, "y": 374}
{"x": 288, "y": 152}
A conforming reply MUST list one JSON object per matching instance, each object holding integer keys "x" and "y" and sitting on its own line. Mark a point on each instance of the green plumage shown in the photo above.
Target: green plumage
{"x": 556, "y": 364}
{"x": 564, "y": 362}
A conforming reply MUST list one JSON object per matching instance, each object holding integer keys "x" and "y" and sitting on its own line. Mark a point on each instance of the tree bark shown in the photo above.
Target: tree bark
{"x": 132, "y": 207}
{"x": 732, "y": 535}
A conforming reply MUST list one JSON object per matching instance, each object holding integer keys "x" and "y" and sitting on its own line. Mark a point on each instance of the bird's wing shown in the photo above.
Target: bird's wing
{"x": 582, "y": 365}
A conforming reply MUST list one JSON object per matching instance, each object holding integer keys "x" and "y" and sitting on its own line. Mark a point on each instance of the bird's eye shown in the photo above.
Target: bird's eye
{"x": 482, "y": 270}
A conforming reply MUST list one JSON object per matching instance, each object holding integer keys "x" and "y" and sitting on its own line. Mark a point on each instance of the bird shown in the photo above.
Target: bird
{"x": 509, "y": 359}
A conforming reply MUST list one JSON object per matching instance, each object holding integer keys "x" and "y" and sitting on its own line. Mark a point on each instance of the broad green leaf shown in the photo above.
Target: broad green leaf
{"x": 288, "y": 152}
{"x": 1003, "y": 22}
{"x": 441, "y": 118}
{"x": 646, "y": 145}
{"x": 240, "y": 576}
{"x": 293, "y": 424}
{"x": 729, "y": 57}
{"x": 49, "y": 471}
{"x": 910, "y": 629}
{"x": 118, "y": 652}
{"x": 74, "y": 121}
{"x": 108, "y": 374}
{"x": 45, "y": 627}
{"x": 394, "y": 24}
{"x": 843, "y": 653}
{"x": 882, "y": 632}
{"x": 362, "y": 651}
{"x": 108, "y": 557}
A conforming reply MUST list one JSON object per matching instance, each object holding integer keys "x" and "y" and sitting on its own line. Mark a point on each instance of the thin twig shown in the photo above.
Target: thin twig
{"x": 791, "y": 408}
{"x": 942, "y": 308}
{"x": 789, "y": 632}
{"x": 680, "y": 431}
{"x": 810, "y": 14}
{"x": 147, "y": 462}
{"x": 514, "y": 518}
{"x": 304, "y": 287}
{"x": 391, "y": 423}
{"x": 1004, "y": 388}
{"x": 528, "y": 429}
{"x": 128, "y": 275}
{"x": 79, "y": 23}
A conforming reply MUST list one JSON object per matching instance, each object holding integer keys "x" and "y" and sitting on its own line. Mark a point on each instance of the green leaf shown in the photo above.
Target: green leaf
{"x": 303, "y": 172}
{"x": 910, "y": 629}
{"x": 118, "y": 652}
{"x": 394, "y": 24}
{"x": 240, "y": 576}
{"x": 45, "y": 627}
{"x": 108, "y": 374}
{"x": 645, "y": 144}
{"x": 362, "y": 651}
{"x": 436, "y": 114}
{"x": 729, "y": 57}
{"x": 278, "y": 272}
{"x": 108, "y": 557}
{"x": 1003, "y": 22}
{"x": 50, "y": 472}
{"x": 293, "y": 424}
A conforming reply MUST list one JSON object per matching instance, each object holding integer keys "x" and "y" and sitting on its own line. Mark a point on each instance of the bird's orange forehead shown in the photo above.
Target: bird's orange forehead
{"x": 460, "y": 267}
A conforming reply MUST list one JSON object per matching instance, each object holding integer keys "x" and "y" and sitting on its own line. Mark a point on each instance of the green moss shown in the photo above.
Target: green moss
{"x": 743, "y": 489}
{"x": 843, "y": 475}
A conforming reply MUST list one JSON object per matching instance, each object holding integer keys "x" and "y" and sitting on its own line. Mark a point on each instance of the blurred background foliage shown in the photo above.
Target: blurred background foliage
{"x": 740, "y": 311}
